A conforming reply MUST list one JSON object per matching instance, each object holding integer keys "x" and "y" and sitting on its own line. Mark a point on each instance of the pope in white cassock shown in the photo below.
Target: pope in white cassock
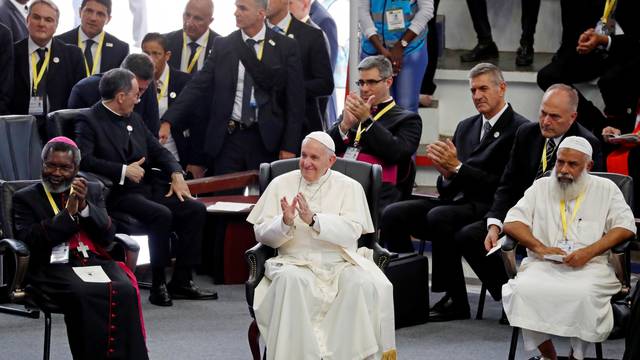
{"x": 319, "y": 298}
{"x": 579, "y": 217}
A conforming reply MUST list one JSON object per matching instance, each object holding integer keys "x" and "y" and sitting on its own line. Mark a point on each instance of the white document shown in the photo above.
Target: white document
{"x": 497, "y": 247}
{"x": 554, "y": 257}
{"x": 91, "y": 274}
{"x": 224, "y": 206}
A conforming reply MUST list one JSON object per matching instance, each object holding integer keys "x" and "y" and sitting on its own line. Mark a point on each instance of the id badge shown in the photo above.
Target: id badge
{"x": 60, "y": 254}
{"x": 566, "y": 246}
{"x": 395, "y": 19}
{"x": 351, "y": 153}
{"x": 36, "y": 105}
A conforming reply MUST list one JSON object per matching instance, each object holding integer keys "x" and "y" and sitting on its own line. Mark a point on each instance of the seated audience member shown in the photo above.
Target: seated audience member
{"x": 6, "y": 69}
{"x": 533, "y": 153}
{"x": 169, "y": 83}
{"x": 64, "y": 222}
{"x": 374, "y": 129}
{"x": 102, "y": 51}
{"x": 316, "y": 66}
{"x": 632, "y": 343}
{"x": 568, "y": 222}
{"x": 192, "y": 44}
{"x": 319, "y": 298}
{"x": 402, "y": 41}
{"x": 45, "y": 68}
{"x": 116, "y": 144}
{"x": 470, "y": 167}
{"x": 13, "y": 14}
{"x": 86, "y": 92}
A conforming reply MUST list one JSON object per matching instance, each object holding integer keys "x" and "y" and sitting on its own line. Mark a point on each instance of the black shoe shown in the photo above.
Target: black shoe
{"x": 481, "y": 52}
{"x": 524, "y": 56}
{"x": 190, "y": 291}
{"x": 159, "y": 295}
{"x": 447, "y": 310}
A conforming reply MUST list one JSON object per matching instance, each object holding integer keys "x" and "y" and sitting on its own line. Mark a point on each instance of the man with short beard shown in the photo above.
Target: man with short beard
{"x": 64, "y": 222}
{"x": 568, "y": 222}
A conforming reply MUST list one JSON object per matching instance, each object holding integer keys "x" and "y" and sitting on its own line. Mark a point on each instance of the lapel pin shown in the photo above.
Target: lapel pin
{"x": 496, "y": 134}
{"x": 271, "y": 42}
{"x": 56, "y": 59}
{"x": 108, "y": 44}
{"x": 129, "y": 128}
{"x": 290, "y": 35}
{"x": 172, "y": 94}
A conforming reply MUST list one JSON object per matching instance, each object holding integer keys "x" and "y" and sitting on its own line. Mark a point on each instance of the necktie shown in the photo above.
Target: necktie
{"x": 277, "y": 29}
{"x": 551, "y": 146}
{"x": 88, "y": 56}
{"x": 486, "y": 129}
{"x": 194, "y": 47}
{"x": 248, "y": 115}
{"x": 43, "y": 82}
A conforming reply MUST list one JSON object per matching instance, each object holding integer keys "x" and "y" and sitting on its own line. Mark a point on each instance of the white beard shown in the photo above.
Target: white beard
{"x": 568, "y": 191}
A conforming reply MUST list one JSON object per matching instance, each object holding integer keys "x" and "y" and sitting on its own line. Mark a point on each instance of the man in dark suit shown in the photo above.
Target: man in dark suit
{"x": 64, "y": 222}
{"x": 470, "y": 167}
{"x": 6, "y": 69}
{"x": 388, "y": 134}
{"x": 116, "y": 144}
{"x": 15, "y": 18}
{"x": 86, "y": 92}
{"x": 318, "y": 77}
{"x": 533, "y": 153}
{"x": 169, "y": 83}
{"x": 45, "y": 68}
{"x": 321, "y": 17}
{"x": 102, "y": 51}
{"x": 261, "y": 120}
{"x": 192, "y": 44}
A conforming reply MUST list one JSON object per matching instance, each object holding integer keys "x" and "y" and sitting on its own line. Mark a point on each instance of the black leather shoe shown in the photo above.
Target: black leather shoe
{"x": 447, "y": 310}
{"x": 481, "y": 52}
{"x": 190, "y": 291}
{"x": 159, "y": 295}
{"x": 524, "y": 55}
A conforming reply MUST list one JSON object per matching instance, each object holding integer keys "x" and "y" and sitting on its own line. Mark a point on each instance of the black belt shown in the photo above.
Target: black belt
{"x": 234, "y": 125}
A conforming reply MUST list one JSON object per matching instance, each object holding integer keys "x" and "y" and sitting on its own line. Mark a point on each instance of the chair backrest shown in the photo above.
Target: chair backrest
{"x": 63, "y": 122}
{"x": 624, "y": 183}
{"x": 20, "y": 148}
{"x": 7, "y": 189}
{"x": 368, "y": 175}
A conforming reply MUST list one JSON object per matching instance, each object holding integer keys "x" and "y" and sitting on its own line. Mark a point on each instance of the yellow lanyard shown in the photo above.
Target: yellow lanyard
{"x": 375, "y": 118}
{"x": 96, "y": 59}
{"x": 608, "y": 8}
{"x": 165, "y": 86}
{"x": 563, "y": 213}
{"x": 261, "y": 50}
{"x": 53, "y": 203}
{"x": 37, "y": 77}
{"x": 194, "y": 61}
{"x": 544, "y": 156}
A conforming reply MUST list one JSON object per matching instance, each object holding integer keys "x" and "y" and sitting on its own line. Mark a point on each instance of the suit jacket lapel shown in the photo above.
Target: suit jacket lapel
{"x": 22, "y": 59}
{"x": 497, "y": 128}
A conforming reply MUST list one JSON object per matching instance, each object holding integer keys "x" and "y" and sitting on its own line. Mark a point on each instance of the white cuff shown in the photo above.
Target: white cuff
{"x": 343, "y": 135}
{"x": 122, "y": 174}
{"x": 496, "y": 222}
{"x": 608, "y": 43}
{"x": 85, "y": 212}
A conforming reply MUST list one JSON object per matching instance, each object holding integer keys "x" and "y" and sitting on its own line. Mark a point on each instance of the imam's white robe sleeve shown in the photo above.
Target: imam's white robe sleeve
{"x": 554, "y": 298}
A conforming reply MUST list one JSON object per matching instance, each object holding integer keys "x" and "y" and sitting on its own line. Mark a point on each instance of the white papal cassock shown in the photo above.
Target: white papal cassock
{"x": 554, "y": 298}
{"x": 319, "y": 298}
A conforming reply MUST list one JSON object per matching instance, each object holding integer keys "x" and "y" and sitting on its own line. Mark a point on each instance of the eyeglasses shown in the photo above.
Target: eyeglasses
{"x": 63, "y": 168}
{"x": 369, "y": 82}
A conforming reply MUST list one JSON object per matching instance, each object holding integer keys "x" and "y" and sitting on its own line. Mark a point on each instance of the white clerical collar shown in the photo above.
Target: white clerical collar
{"x": 202, "y": 40}
{"x": 32, "y": 46}
{"x": 258, "y": 37}
{"x": 495, "y": 117}
{"x": 283, "y": 24}
{"x": 108, "y": 108}
{"x": 163, "y": 76}
{"x": 84, "y": 37}
{"x": 321, "y": 180}
{"x": 23, "y": 8}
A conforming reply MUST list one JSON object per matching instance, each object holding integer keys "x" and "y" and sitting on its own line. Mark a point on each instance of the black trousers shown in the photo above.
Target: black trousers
{"x": 242, "y": 150}
{"x": 437, "y": 221}
{"x": 428, "y": 86}
{"x": 632, "y": 343}
{"x": 480, "y": 20}
{"x": 161, "y": 215}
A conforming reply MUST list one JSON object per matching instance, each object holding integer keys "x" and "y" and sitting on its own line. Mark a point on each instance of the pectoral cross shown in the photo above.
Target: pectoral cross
{"x": 83, "y": 249}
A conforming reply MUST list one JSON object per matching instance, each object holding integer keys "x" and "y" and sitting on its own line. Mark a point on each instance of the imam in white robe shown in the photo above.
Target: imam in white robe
{"x": 319, "y": 298}
{"x": 554, "y": 298}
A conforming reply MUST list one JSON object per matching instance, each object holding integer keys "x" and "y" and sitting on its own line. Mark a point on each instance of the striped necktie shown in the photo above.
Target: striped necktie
{"x": 551, "y": 146}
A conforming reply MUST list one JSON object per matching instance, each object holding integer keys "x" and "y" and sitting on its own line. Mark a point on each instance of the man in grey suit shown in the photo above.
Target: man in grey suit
{"x": 13, "y": 13}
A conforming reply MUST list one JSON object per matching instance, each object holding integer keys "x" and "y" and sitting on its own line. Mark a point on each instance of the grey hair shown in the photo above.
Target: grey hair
{"x": 115, "y": 81}
{"x": 49, "y": 3}
{"x": 62, "y": 147}
{"x": 572, "y": 94}
{"x": 489, "y": 69}
{"x": 377, "y": 62}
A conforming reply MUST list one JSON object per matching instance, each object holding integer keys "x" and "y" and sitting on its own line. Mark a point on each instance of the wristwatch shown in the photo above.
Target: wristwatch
{"x": 313, "y": 220}
{"x": 404, "y": 43}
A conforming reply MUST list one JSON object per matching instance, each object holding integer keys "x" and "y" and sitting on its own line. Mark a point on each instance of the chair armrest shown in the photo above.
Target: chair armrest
{"x": 382, "y": 256}
{"x": 127, "y": 242}
{"x": 621, "y": 262}
{"x": 256, "y": 257}
{"x": 124, "y": 249}
{"x": 508, "y": 252}
{"x": 18, "y": 254}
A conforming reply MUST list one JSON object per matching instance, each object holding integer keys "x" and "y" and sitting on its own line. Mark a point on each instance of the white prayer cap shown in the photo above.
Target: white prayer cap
{"x": 576, "y": 143}
{"x": 323, "y": 138}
